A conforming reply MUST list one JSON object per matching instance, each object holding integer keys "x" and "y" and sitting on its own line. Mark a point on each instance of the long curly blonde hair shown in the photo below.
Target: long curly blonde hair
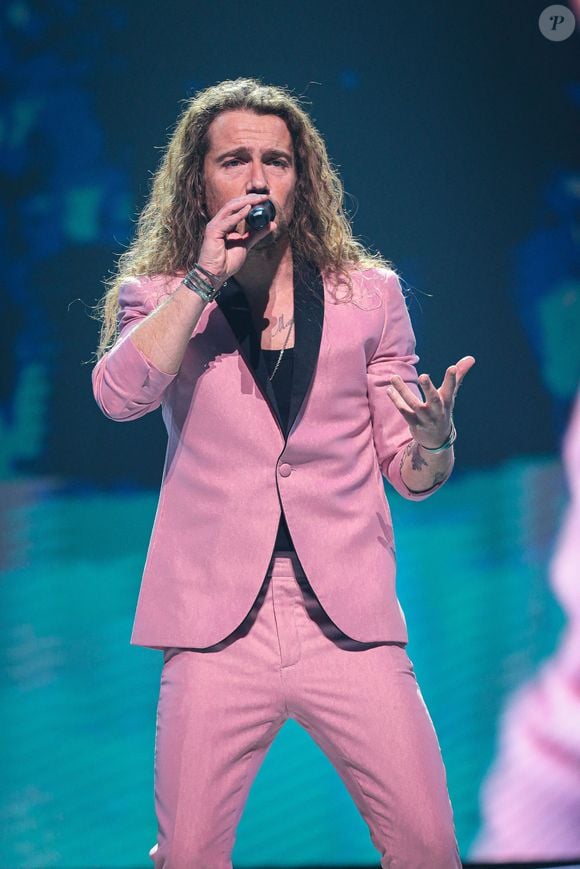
{"x": 170, "y": 227}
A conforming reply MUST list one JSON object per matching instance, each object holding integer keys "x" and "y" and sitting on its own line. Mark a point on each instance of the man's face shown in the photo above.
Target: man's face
{"x": 250, "y": 153}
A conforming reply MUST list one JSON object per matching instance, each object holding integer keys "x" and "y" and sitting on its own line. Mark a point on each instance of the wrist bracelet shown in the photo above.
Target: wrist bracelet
{"x": 446, "y": 444}
{"x": 195, "y": 280}
{"x": 213, "y": 279}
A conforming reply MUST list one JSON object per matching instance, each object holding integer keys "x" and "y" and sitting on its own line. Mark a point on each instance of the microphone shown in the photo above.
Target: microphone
{"x": 261, "y": 215}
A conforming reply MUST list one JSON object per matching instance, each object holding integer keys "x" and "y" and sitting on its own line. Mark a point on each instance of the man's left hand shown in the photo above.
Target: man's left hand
{"x": 430, "y": 420}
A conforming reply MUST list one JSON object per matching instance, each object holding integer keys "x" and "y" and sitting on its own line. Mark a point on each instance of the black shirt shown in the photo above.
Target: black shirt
{"x": 308, "y": 305}
{"x": 282, "y": 385}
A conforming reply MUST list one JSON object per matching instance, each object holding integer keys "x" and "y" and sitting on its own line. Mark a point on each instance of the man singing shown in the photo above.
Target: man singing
{"x": 283, "y": 359}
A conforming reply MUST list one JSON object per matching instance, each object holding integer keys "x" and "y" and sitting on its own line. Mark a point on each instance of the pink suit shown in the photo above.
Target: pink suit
{"x": 211, "y": 574}
{"x": 227, "y": 466}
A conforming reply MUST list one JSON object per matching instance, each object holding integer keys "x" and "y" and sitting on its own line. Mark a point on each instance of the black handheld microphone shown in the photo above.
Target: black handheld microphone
{"x": 261, "y": 215}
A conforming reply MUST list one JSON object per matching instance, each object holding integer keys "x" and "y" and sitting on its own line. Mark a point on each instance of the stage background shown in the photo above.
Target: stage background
{"x": 455, "y": 129}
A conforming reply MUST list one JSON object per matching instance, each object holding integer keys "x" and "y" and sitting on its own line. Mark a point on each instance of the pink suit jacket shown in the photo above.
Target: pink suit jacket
{"x": 229, "y": 466}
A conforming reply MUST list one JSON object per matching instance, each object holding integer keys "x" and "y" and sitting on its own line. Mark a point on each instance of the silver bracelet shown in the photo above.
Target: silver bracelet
{"x": 446, "y": 444}
{"x": 196, "y": 280}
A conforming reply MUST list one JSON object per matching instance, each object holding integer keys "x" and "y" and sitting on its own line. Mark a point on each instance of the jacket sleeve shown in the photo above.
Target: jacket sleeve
{"x": 126, "y": 384}
{"x": 395, "y": 354}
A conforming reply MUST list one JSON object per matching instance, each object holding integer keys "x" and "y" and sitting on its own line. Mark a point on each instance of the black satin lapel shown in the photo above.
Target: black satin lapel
{"x": 308, "y": 322}
{"x": 234, "y": 306}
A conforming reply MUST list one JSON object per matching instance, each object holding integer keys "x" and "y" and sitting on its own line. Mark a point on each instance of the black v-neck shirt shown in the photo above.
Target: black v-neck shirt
{"x": 282, "y": 382}
{"x": 282, "y": 386}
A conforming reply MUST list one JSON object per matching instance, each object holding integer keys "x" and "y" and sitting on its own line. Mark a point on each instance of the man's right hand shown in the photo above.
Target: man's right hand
{"x": 224, "y": 248}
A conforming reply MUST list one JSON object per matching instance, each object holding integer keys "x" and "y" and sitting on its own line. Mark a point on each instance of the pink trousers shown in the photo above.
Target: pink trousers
{"x": 220, "y": 708}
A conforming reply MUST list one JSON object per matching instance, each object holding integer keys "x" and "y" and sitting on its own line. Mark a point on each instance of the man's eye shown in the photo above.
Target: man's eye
{"x": 279, "y": 162}
{"x": 231, "y": 162}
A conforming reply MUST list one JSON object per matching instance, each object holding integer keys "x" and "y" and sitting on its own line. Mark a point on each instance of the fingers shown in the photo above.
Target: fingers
{"x": 454, "y": 378}
{"x": 257, "y": 235}
{"x": 240, "y": 202}
{"x": 406, "y": 394}
{"x": 432, "y": 397}
{"x": 251, "y": 236}
{"x": 426, "y": 411}
{"x": 437, "y": 401}
{"x": 409, "y": 416}
{"x": 463, "y": 366}
{"x": 234, "y": 211}
{"x": 228, "y": 224}
{"x": 447, "y": 388}
{"x": 232, "y": 224}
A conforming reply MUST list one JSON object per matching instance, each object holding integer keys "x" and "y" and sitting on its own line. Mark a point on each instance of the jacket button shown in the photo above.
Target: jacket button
{"x": 285, "y": 470}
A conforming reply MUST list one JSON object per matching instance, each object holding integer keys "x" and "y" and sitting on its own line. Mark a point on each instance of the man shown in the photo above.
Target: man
{"x": 284, "y": 363}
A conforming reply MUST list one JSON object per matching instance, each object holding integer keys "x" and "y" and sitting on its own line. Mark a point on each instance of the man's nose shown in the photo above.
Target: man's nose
{"x": 257, "y": 181}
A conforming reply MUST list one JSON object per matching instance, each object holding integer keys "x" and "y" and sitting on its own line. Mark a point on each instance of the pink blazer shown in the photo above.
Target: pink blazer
{"x": 229, "y": 467}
